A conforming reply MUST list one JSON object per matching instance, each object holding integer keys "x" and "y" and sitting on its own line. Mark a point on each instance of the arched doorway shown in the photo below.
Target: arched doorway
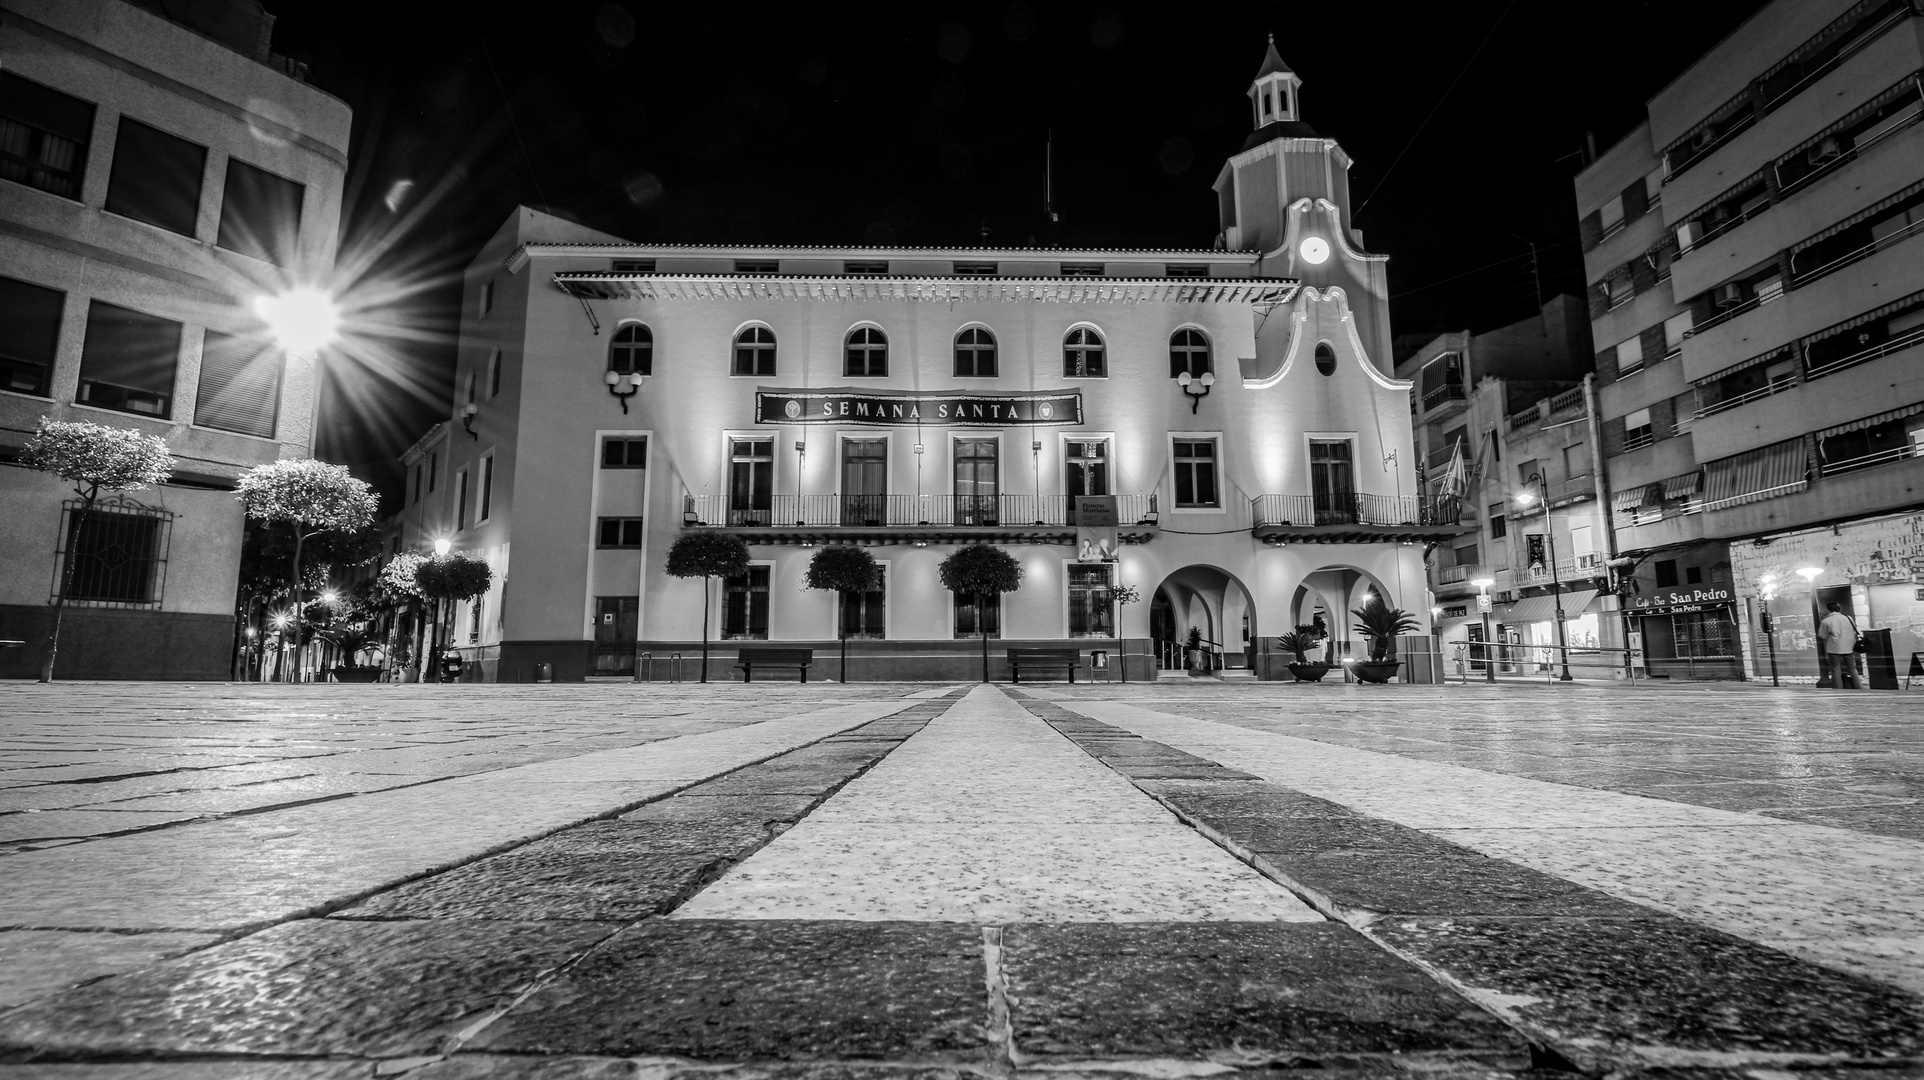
{"x": 1214, "y": 602}
{"x": 1327, "y": 596}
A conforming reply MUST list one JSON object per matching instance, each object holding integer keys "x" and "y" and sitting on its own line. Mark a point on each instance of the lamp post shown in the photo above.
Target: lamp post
{"x": 1556, "y": 583}
{"x": 1197, "y": 387}
{"x": 1483, "y": 608}
{"x": 1767, "y": 588}
{"x": 1810, "y": 574}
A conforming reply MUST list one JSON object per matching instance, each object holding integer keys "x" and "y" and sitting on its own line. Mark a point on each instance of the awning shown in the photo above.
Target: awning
{"x": 1543, "y": 608}
{"x": 1867, "y": 214}
{"x": 1682, "y": 487}
{"x": 1624, "y": 502}
{"x": 1873, "y": 421}
{"x": 1763, "y": 473}
{"x": 1777, "y": 353}
{"x": 1856, "y": 321}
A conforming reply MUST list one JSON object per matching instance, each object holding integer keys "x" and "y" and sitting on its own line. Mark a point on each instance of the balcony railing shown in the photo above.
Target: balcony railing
{"x": 1805, "y": 277}
{"x": 1896, "y": 344}
{"x": 890, "y": 511}
{"x": 1306, "y": 511}
{"x": 1443, "y": 395}
{"x": 1869, "y": 461}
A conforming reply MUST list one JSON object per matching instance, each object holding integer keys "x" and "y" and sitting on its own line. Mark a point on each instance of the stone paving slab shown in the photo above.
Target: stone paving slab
{"x": 200, "y": 1069}
{"x": 1236, "y": 993}
{"x": 38, "y": 962}
{"x": 55, "y": 824}
{"x": 695, "y": 805}
{"x": 311, "y": 987}
{"x": 762, "y": 990}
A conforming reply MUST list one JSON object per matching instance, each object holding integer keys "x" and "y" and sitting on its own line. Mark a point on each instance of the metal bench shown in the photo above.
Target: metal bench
{"x": 1044, "y": 659}
{"x": 749, "y": 659}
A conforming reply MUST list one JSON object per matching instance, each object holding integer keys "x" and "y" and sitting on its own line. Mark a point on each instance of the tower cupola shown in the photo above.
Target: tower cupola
{"x": 1273, "y": 95}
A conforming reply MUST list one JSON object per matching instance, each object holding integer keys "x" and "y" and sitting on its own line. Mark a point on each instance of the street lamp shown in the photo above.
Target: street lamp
{"x": 442, "y": 547}
{"x": 1483, "y": 607}
{"x": 302, "y": 320}
{"x": 1556, "y": 584}
{"x": 1196, "y": 387}
{"x": 1767, "y": 588}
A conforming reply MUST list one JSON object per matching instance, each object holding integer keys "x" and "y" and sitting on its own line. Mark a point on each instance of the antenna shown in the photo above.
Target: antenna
{"x": 1048, "y": 177}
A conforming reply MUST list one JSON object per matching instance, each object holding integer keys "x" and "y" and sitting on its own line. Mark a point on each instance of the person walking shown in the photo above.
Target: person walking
{"x": 1837, "y": 636}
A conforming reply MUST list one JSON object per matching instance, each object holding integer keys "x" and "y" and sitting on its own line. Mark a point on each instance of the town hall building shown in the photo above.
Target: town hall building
{"x": 1216, "y": 430}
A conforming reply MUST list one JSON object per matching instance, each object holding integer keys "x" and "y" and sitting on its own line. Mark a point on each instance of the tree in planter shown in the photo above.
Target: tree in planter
{"x": 95, "y": 459}
{"x": 705, "y": 553}
{"x": 846, "y": 571}
{"x": 981, "y": 571}
{"x": 1124, "y": 595}
{"x": 312, "y": 497}
{"x": 1381, "y": 624}
{"x": 448, "y": 580}
{"x": 397, "y": 588}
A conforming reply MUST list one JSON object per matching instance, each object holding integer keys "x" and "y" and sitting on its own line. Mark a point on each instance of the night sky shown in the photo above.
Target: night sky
{"x": 926, "y": 125}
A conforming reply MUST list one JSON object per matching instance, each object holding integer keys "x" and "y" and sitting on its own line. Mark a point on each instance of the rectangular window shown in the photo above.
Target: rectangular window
{"x": 1082, "y": 269}
{"x": 1612, "y": 214}
{"x": 1464, "y": 554}
{"x": 461, "y": 500}
{"x": 29, "y": 334}
{"x": 1092, "y": 601}
{"x": 871, "y": 268}
{"x": 1693, "y": 575}
{"x": 1185, "y": 270}
{"x": 1499, "y": 524}
{"x": 1666, "y": 573}
{"x": 1576, "y": 460}
{"x": 1525, "y": 470}
{"x": 975, "y": 269}
{"x": 751, "y": 481}
{"x": 634, "y": 266}
{"x": 414, "y": 485}
{"x": 487, "y": 296}
{"x": 1332, "y": 481}
{"x": 1636, "y": 429}
{"x": 127, "y": 362}
{"x": 1629, "y": 355}
{"x": 864, "y": 613}
{"x": 972, "y": 621}
{"x": 624, "y": 452}
{"x": 44, "y": 136}
{"x": 618, "y": 532}
{"x": 757, "y": 266}
{"x": 116, "y": 556}
{"x": 156, "y": 177}
{"x": 434, "y": 470}
{"x": 865, "y": 481}
{"x": 494, "y": 373}
{"x": 1580, "y": 543}
{"x": 1196, "y": 473}
{"x": 976, "y": 482}
{"x": 240, "y": 384}
{"x": 745, "y": 605}
{"x": 487, "y": 489}
{"x": 260, "y": 214}
{"x": 1087, "y": 465}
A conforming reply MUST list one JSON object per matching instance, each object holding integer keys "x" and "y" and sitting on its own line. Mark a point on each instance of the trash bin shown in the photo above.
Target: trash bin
{"x": 1879, "y": 658}
{"x": 544, "y": 672}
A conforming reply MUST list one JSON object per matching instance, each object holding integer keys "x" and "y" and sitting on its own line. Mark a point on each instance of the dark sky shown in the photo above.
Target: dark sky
{"x": 926, "y": 124}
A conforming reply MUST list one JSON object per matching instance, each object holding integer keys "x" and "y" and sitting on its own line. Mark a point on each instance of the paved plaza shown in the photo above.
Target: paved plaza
{"x": 774, "y": 880}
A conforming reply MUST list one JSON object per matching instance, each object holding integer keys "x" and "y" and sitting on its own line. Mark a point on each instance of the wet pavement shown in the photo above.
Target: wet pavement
{"x": 888, "y": 880}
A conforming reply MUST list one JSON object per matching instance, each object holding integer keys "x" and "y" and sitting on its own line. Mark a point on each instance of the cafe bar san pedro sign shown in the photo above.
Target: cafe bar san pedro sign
{"x": 933, "y": 407}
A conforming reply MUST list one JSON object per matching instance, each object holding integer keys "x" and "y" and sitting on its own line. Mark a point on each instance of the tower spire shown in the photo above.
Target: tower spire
{"x": 1272, "y": 94}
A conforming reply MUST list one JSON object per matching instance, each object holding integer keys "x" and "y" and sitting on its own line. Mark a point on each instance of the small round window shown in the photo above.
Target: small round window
{"x": 1325, "y": 358}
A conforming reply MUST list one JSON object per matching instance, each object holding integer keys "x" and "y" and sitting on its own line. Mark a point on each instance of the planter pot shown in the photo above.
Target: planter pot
{"x": 1197, "y": 659}
{"x": 1309, "y": 672}
{"x": 357, "y": 674}
{"x": 1377, "y": 671}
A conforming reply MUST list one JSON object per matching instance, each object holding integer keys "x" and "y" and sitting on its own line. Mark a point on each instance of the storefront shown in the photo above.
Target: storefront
{"x": 1874, "y": 570}
{"x": 1686, "y": 633}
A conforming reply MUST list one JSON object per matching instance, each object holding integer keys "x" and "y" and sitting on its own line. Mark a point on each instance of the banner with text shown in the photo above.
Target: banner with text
{"x": 924, "y": 407}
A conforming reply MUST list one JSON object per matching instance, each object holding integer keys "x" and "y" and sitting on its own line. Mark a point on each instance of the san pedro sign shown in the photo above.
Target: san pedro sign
{"x": 920, "y": 407}
{"x": 1681, "y": 600}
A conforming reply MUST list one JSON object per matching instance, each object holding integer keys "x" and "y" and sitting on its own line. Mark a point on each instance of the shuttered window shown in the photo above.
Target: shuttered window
{"x": 29, "y": 331}
{"x": 156, "y": 177}
{"x": 240, "y": 385}
{"x": 260, "y": 214}
{"x": 127, "y": 362}
{"x": 43, "y": 136}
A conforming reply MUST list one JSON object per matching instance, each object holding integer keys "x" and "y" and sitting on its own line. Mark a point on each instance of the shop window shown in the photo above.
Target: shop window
{"x": 745, "y": 605}
{"x": 43, "y": 136}
{"x": 975, "y": 354}
{"x": 973, "y": 621}
{"x": 260, "y": 214}
{"x": 632, "y": 352}
{"x": 618, "y": 532}
{"x": 1082, "y": 355}
{"x": 1092, "y": 600}
{"x": 156, "y": 177}
{"x": 1196, "y": 473}
{"x": 755, "y": 352}
{"x": 1666, "y": 573}
{"x": 117, "y": 556}
{"x": 1188, "y": 353}
{"x": 863, "y": 614}
{"x": 127, "y": 362}
{"x": 624, "y": 452}
{"x": 29, "y": 334}
{"x": 866, "y": 354}
{"x": 240, "y": 384}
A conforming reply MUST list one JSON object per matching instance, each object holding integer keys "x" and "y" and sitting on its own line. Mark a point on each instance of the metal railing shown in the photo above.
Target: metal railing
{"x": 1799, "y": 280}
{"x": 1868, "y": 461}
{"x": 1449, "y": 392}
{"x": 1311, "y": 510}
{"x": 1896, "y": 344}
{"x": 878, "y": 511}
{"x": 1776, "y": 387}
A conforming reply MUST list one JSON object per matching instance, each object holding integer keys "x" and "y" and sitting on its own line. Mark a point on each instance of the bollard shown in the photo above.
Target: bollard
{"x": 544, "y": 672}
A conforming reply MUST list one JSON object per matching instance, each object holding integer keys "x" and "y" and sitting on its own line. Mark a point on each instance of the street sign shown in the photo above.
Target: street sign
{"x": 1483, "y": 604}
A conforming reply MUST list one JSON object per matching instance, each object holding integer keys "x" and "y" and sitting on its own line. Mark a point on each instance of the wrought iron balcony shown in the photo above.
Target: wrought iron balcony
{"x": 804, "y": 518}
{"x": 1354, "y": 518}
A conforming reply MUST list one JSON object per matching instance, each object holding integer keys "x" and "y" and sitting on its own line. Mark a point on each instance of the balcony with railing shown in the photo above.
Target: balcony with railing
{"x": 1353, "y": 518}
{"x": 1449, "y": 395}
{"x": 912, "y": 518}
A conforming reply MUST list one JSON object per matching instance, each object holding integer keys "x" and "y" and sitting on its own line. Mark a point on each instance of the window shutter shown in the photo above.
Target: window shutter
{"x": 1591, "y": 228}
{"x": 240, "y": 385}
{"x": 1636, "y": 199}
{"x": 1652, "y": 341}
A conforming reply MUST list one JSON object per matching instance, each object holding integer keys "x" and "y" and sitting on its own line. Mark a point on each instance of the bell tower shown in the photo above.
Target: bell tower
{"x": 1273, "y": 96}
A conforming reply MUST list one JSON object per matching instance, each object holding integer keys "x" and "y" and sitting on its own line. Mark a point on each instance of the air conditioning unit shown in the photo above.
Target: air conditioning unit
{"x": 1687, "y": 235}
{"x": 1828, "y": 149}
{"x": 1728, "y": 295}
{"x": 1701, "y": 140}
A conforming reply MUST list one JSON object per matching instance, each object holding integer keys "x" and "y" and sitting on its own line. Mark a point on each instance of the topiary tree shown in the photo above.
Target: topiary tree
{"x": 312, "y": 497}
{"x": 396, "y": 589}
{"x": 448, "y": 580}
{"x": 1381, "y": 624}
{"x": 706, "y": 553}
{"x": 95, "y": 459}
{"x": 845, "y": 570}
{"x": 981, "y": 571}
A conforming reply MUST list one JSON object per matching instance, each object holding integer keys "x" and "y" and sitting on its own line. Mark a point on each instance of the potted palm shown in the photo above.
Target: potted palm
{"x": 1300, "y": 641}
{"x": 1194, "y": 653}
{"x": 1381, "y": 624}
{"x": 353, "y": 643}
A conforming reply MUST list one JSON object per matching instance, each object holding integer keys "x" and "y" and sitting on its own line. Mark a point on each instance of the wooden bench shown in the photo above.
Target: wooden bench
{"x": 749, "y": 659}
{"x": 1046, "y": 659}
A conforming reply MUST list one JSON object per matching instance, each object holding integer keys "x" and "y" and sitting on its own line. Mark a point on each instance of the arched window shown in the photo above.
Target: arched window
{"x": 867, "y": 353}
{"x": 975, "y": 354}
{"x": 1188, "y": 352}
{"x": 755, "y": 352}
{"x": 1325, "y": 358}
{"x": 1082, "y": 355}
{"x": 632, "y": 352}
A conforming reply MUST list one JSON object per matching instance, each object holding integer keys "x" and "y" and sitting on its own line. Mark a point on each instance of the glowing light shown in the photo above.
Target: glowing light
{"x": 1811, "y": 573}
{"x": 1315, "y": 250}
{"x": 330, "y": 597}
{"x": 1525, "y": 497}
{"x": 302, "y": 320}
{"x": 1482, "y": 582}
{"x": 281, "y": 620}
{"x": 442, "y": 547}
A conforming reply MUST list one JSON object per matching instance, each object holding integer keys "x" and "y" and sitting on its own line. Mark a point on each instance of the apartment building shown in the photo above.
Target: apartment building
{"x": 160, "y": 170}
{"x": 1756, "y": 291}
